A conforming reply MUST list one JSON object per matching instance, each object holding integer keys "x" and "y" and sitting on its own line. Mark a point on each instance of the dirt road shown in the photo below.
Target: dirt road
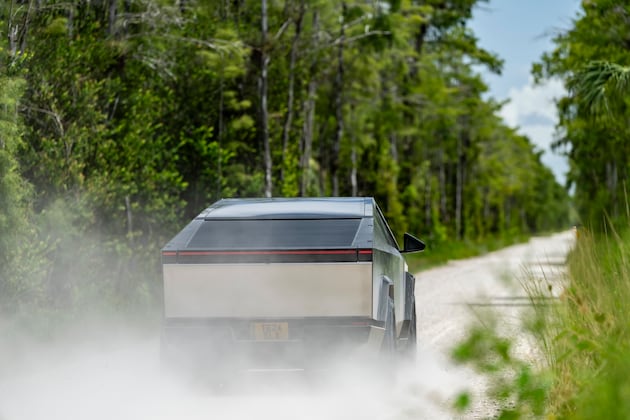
{"x": 450, "y": 298}
{"x": 116, "y": 374}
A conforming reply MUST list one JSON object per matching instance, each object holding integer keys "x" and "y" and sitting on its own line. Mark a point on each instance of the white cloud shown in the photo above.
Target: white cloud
{"x": 536, "y": 103}
{"x": 530, "y": 100}
{"x": 540, "y": 134}
{"x": 558, "y": 164}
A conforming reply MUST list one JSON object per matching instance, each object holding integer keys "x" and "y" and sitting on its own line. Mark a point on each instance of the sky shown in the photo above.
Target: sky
{"x": 520, "y": 31}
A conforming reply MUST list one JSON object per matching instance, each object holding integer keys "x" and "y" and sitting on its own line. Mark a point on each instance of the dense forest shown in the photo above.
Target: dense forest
{"x": 122, "y": 119}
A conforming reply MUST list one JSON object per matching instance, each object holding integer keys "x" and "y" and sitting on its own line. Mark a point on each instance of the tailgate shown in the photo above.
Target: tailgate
{"x": 277, "y": 290}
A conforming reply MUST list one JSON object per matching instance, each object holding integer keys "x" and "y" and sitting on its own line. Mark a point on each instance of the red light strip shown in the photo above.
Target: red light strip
{"x": 335, "y": 252}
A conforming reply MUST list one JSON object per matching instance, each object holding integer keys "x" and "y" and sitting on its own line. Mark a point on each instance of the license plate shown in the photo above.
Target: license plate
{"x": 270, "y": 330}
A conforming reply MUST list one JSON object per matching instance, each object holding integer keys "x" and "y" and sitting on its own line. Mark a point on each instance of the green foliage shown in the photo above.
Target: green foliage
{"x": 583, "y": 336}
{"x": 138, "y": 114}
{"x": 13, "y": 189}
{"x": 444, "y": 250}
{"x": 589, "y": 345}
{"x": 18, "y": 256}
{"x": 592, "y": 58}
{"x": 517, "y": 390}
{"x": 599, "y": 82}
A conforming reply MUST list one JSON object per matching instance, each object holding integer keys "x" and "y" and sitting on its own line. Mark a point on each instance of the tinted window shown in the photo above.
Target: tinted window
{"x": 275, "y": 234}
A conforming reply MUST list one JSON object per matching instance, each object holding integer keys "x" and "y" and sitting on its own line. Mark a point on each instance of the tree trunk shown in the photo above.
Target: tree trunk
{"x": 22, "y": 33}
{"x": 486, "y": 209}
{"x": 508, "y": 213}
{"x": 307, "y": 135}
{"x": 220, "y": 136}
{"x": 418, "y": 42}
{"x": 263, "y": 85}
{"x": 353, "y": 174}
{"x": 309, "y": 114}
{"x": 111, "y": 27}
{"x": 129, "y": 218}
{"x": 12, "y": 31}
{"x": 71, "y": 21}
{"x": 428, "y": 219}
{"x": 611, "y": 184}
{"x": 463, "y": 144}
{"x": 459, "y": 177}
{"x": 442, "y": 186}
{"x": 225, "y": 9}
{"x": 289, "y": 117}
{"x": 323, "y": 157}
{"x": 393, "y": 147}
{"x": 338, "y": 107}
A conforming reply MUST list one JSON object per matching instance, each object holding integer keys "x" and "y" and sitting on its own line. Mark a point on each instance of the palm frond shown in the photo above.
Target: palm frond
{"x": 598, "y": 83}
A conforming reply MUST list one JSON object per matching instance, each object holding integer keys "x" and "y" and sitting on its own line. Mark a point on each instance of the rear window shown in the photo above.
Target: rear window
{"x": 275, "y": 234}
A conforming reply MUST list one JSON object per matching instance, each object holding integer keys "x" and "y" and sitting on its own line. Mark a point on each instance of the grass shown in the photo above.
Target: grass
{"x": 440, "y": 253}
{"x": 584, "y": 338}
{"x": 589, "y": 334}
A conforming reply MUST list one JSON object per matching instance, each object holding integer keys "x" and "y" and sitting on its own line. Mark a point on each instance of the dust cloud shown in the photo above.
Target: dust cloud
{"x": 114, "y": 372}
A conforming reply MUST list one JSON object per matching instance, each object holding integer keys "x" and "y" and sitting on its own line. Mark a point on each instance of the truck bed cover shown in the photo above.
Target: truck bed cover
{"x": 277, "y": 230}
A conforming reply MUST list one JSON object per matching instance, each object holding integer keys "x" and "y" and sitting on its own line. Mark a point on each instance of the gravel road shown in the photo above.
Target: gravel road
{"x": 450, "y": 298}
{"x": 114, "y": 373}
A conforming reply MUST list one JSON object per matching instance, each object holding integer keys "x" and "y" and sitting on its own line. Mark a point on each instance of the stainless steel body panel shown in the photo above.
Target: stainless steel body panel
{"x": 287, "y": 279}
{"x": 281, "y": 290}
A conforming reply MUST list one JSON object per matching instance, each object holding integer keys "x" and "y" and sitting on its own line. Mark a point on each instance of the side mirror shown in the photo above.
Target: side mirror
{"x": 412, "y": 244}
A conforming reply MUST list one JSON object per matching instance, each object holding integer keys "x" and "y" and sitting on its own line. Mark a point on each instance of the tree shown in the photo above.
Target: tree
{"x": 597, "y": 148}
{"x": 598, "y": 83}
{"x": 132, "y": 116}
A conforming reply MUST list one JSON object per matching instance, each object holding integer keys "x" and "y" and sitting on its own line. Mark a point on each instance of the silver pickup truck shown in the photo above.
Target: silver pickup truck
{"x": 286, "y": 283}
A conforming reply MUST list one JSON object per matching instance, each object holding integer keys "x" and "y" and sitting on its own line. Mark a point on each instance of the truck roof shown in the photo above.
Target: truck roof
{"x": 278, "y": 229}
{"x": 290, "y": 208}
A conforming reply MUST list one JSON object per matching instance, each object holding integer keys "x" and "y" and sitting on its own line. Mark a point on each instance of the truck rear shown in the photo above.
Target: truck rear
{"x": 283, "y": 284}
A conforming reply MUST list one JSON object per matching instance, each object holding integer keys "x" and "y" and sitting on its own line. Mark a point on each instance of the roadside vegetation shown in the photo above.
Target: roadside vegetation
{"x": 589, "y": 339}
{"x": 584, "y": 336}
{"x": 441, "y": 253}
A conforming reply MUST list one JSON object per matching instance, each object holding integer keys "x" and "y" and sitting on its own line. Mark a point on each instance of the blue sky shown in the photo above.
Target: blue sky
{"x": 520, "y": 31}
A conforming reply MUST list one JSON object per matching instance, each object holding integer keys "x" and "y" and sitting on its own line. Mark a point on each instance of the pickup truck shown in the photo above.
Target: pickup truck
{"x": 287, "y": 283}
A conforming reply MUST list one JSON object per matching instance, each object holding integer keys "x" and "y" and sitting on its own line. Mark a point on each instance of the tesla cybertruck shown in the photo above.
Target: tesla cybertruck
{"x": 284, "y": 283}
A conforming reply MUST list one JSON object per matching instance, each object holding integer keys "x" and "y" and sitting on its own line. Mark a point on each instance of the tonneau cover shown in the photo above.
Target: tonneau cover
{"x": 282, "y": 225}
